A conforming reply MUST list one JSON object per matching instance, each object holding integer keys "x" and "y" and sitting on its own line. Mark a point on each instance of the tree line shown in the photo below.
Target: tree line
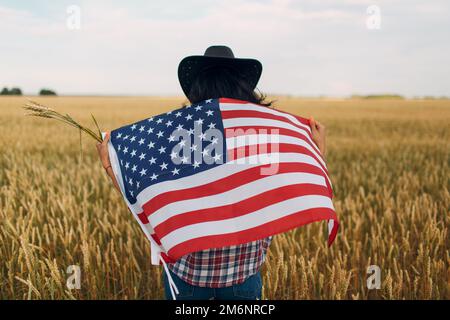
{"x": 18, "y": 92}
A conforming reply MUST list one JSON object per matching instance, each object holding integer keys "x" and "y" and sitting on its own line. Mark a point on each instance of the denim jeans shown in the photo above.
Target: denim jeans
{"x": 250, "y": 289}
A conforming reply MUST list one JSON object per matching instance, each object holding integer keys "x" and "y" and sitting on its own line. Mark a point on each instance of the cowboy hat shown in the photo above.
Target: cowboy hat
{"x": 217, "y": 56}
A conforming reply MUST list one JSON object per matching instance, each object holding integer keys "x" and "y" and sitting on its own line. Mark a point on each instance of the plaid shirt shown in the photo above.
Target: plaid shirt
{"x": 221, "y": 267}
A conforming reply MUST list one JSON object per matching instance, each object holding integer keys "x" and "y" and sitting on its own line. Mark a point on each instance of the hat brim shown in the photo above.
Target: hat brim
{"x": 190, "y": 67}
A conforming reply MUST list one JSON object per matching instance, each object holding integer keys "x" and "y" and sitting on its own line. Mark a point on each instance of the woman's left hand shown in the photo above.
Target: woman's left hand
{"x": 318, "y": 132}
{"x": 102, "y": 149}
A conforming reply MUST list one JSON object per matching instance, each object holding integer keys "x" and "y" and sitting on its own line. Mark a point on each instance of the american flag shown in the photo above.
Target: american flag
{"x": 218, "y": 173}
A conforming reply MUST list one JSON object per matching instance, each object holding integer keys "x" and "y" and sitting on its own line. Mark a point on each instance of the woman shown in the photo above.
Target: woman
{"x": 230, "y": 272}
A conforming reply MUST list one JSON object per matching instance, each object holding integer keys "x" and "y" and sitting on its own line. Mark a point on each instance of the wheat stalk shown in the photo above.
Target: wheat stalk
{"x": 37, "y": 110}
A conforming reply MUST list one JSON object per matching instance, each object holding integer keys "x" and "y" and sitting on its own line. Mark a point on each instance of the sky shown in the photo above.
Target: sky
{"x": 309, "y": 47}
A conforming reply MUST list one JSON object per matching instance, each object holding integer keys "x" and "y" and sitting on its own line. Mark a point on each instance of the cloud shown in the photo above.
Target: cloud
{"x": 312, "y": 47}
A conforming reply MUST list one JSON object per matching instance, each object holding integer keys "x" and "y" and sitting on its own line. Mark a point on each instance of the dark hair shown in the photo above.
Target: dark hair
{"x": 221, "y": 81}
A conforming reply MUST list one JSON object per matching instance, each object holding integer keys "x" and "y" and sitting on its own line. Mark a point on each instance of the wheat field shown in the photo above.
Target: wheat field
{"x": 389, "y": 162}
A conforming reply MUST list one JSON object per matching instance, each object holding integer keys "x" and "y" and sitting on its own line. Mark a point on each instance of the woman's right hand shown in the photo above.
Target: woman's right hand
{"x": 318, "y": 132}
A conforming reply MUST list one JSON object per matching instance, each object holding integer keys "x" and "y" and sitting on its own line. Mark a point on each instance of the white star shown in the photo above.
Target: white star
{"x": 132, "y": 193}
{"x": 126, "y": 137}
{"x": 130, "y": 182}
{"x": 215, "y": 140}
{"x": 141, "y": 142}
{"x": 150, "y": 119}
{"x": 143, "y": 172}
{"x": 205, "y": 152}
{"x": 142, "y": 156}
{"x": 134, "y": 169}
{"x": 178, "y": 114}
{"x": 184, "y": 159}
{"x": 163, "y": 166}
{"x": 150, "y": 130}
{"x": 196, "y": 164}
{"x": 133, "y": 127}
{"x": 169, "y": 123}
{"x": 208, "y": 101}
{"x": 127, "y": 165}
{"x": 171, "y": 138}
{"x": 151, "y": 145}
{"x": 173, "y": 155}
{"x": 133, "y": 139}
{"x": 193, "y": 147}
{"x": 125, "y": 150}
{"x": 138, "y": 184}
{"x": 202, "y": 136}
{"x": 119, "y": 147}
{"x": 141, "y": 129}
{"x": 152, "y": 160}
{"x": 119, "y": 135}
{"x": 169, "y": 112}
{"x": 209, "y": 113}
{"x": 180, "y": 127}
{"x": 198, "y": 108}
{"x": 199, "y": 121}
{"x": 217, "y": 157}
{"x": 212, "y": 125}
{"x": 191, "y": 131}
{"x": 154, "y": 177}
{"x": 182, "y": 143}
{"x": 133, "y": 153}
{"x": 159, "y": 121}
{"x": 175, "y": 171}
{"x": 189, "y": 117}
{"x": 160, "y": 134}
{"x": 162, "y": 150}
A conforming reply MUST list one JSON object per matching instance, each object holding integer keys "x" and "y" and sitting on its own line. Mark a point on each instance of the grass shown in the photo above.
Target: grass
{"x": 388, "y": 158}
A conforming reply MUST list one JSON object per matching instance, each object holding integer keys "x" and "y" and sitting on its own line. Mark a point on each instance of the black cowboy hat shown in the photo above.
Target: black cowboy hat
{"x": 216, "y": 56}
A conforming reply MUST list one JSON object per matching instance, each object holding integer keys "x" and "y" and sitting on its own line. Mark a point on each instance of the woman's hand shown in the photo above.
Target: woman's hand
{"x": 318, "y": 131}
{"x": 102, "y": 149}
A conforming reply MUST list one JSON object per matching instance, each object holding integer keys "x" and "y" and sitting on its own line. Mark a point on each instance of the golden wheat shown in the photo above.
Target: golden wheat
{"x": 389, "y": 161}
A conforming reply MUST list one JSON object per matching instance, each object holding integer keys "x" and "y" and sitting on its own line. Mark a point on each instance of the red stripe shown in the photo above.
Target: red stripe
{"x": 244, "y": 151}
{"x": 249, "y": 130}
{"x": 243, "y": 133}
{"x": 333, "y": 233}
{"x": 240, "y": 208}
{"x": 301, "y": 119}
{"x": 236, "y": 101}
{"x": 156, "y": 238}
{"x": 167, "y": 259}
{"x": 231, "y": 100}
{"x": 246, "y": 130}
{"x": 222, "y": 185}
{"x": 271, "y": 228}
{"x": 143, "y": 217}
{"x": 233, "y": 114}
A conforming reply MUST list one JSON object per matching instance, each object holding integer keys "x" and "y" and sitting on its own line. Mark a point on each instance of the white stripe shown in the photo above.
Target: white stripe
{"x": 249, "y": 122}
{"x": 330, "y": 226}
{"x": 251, "y": 139}
{"x": 254, "y": 107}
{"x": 217, "y": 173}
{"x": 234, "y": 195}
{"x": 247, "y": 221}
